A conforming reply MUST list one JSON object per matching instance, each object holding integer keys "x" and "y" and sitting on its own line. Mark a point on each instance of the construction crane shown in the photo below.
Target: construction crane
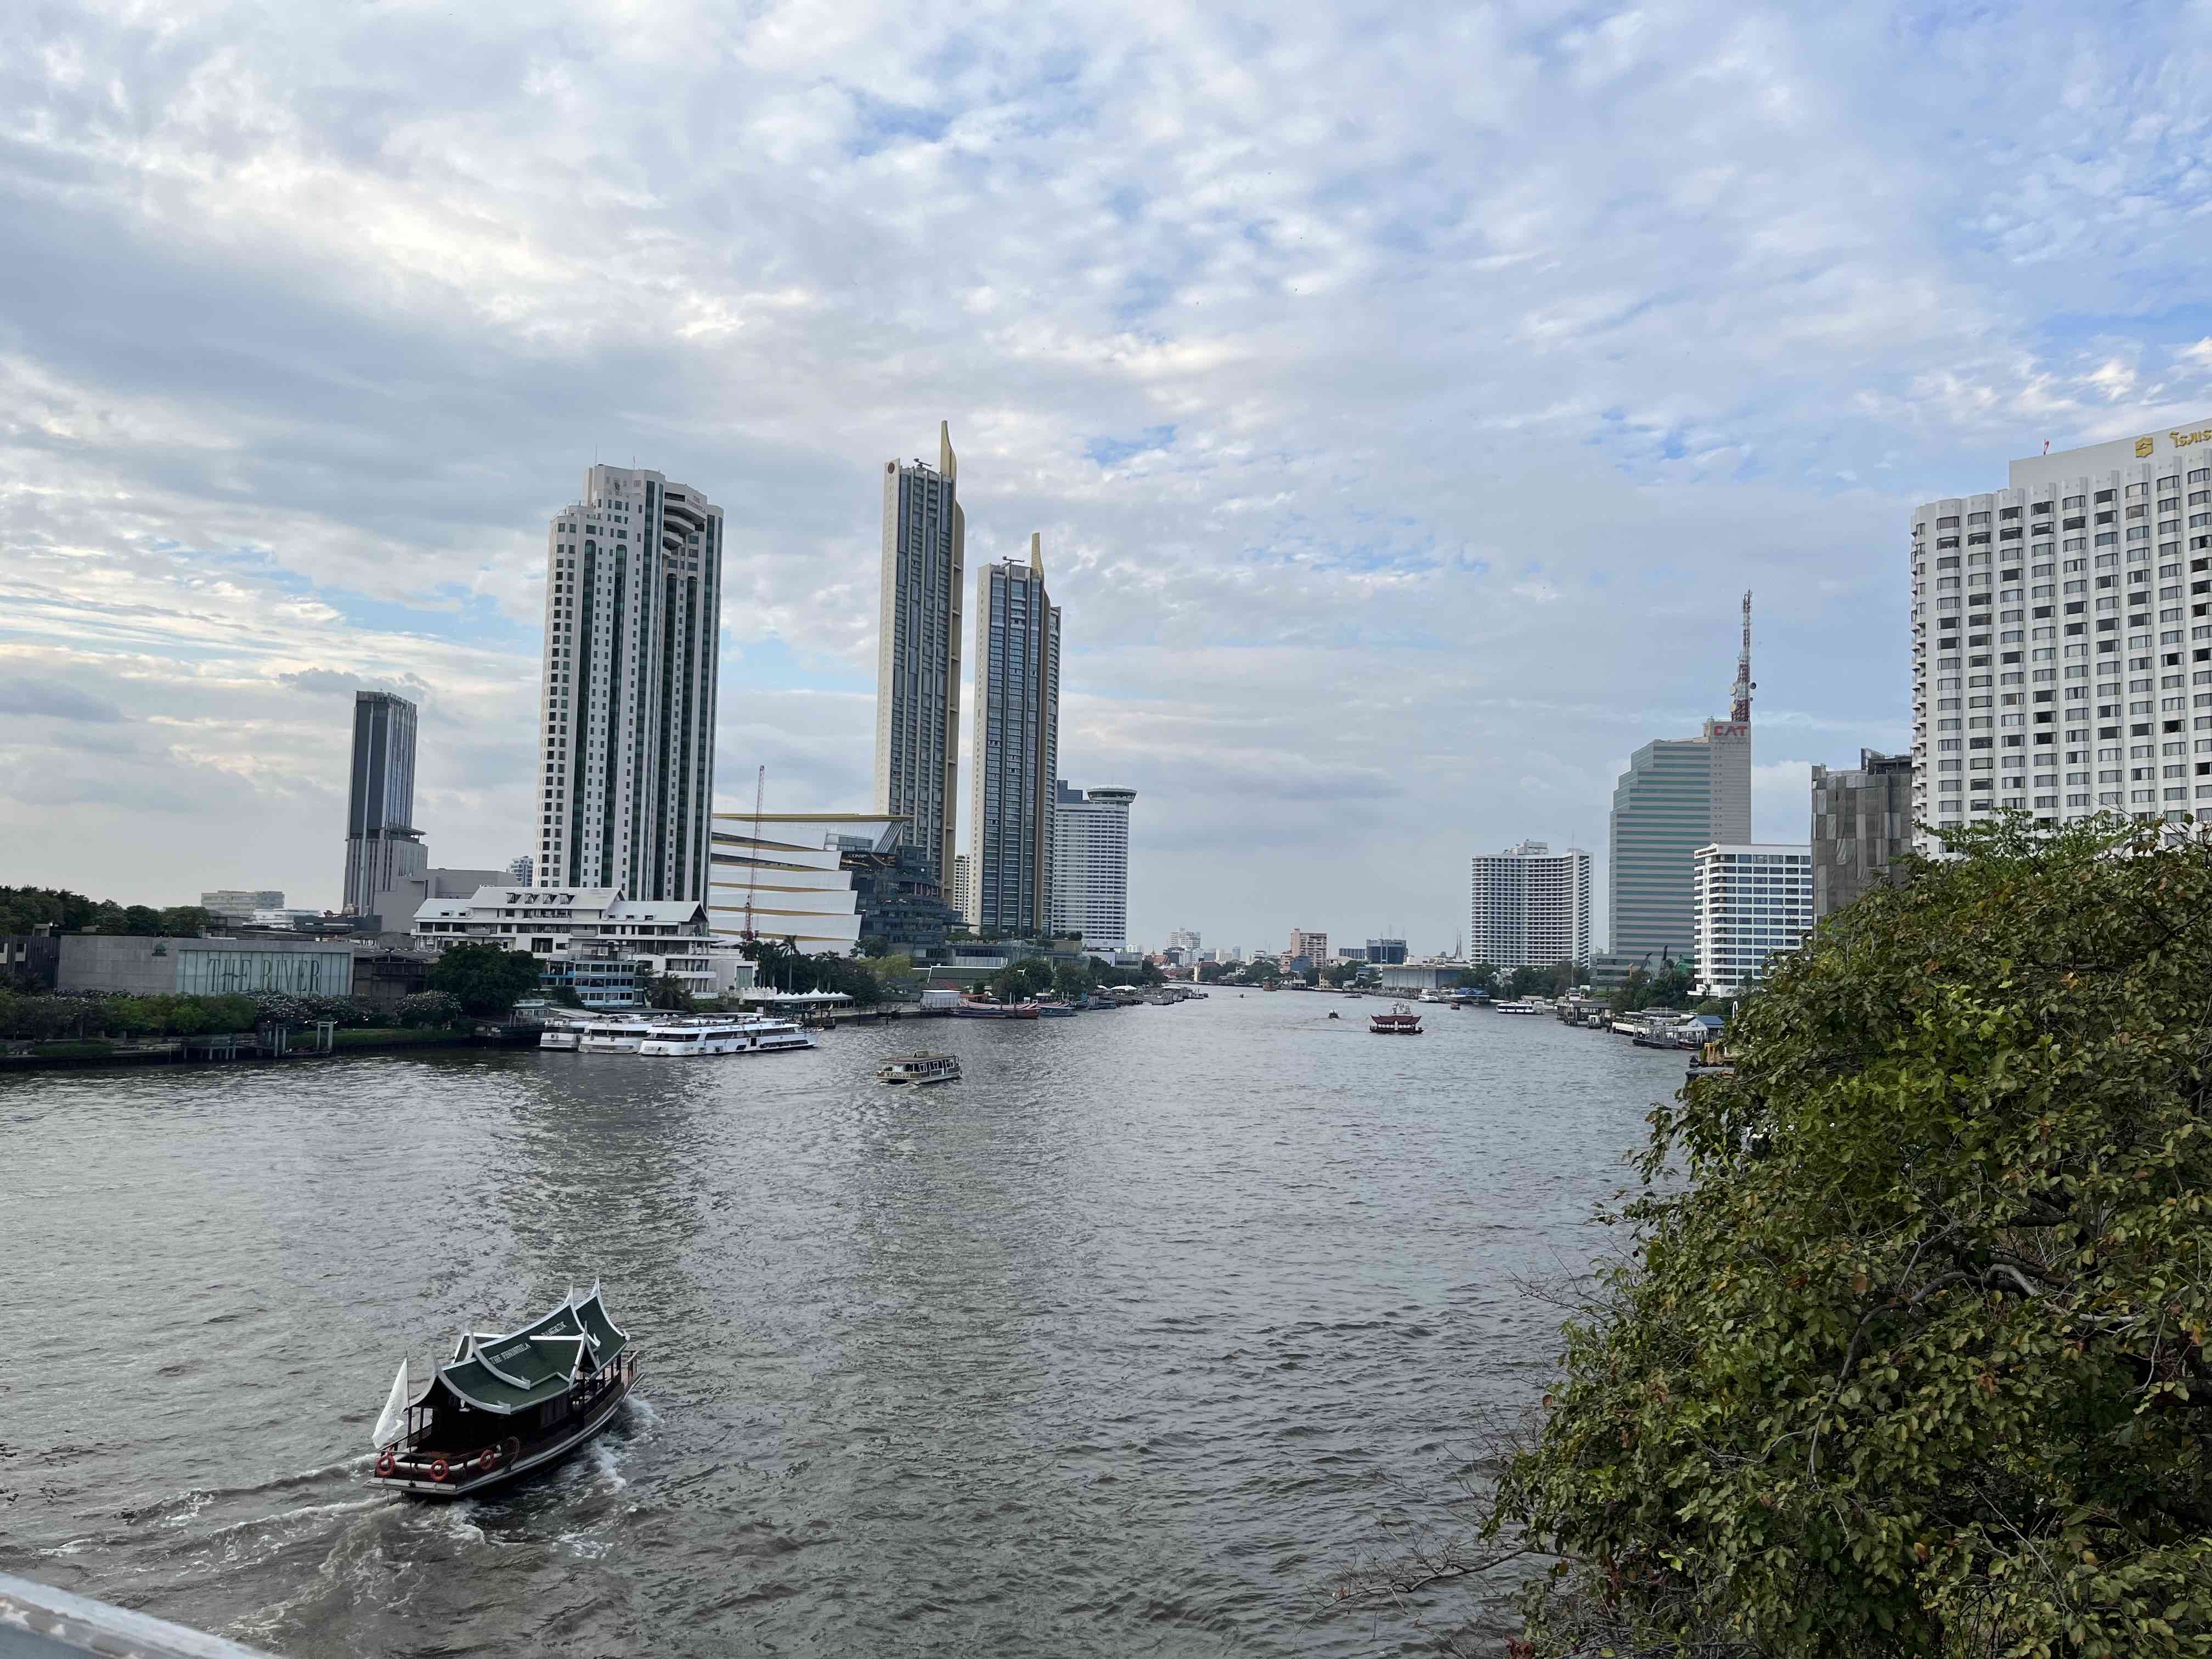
{"x": 752, "y": 865}
{"x": 1740, "y": 708}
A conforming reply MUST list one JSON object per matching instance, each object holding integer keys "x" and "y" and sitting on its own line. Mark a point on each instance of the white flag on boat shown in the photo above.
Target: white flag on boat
{"x": 391, "y": 1422}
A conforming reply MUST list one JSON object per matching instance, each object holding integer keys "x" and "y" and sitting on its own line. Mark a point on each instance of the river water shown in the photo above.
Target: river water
{"x": 1123, "y": 1345}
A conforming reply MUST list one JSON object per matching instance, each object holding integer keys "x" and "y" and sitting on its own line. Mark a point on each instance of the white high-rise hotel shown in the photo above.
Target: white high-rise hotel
{"x": 633, "y": 626}
{"x": 1530, "y": 907}
{"x": 1090, "y": 866}
{"x": 2061, "y": 639}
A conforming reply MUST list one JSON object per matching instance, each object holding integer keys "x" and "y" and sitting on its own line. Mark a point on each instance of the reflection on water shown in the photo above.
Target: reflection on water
{"x": 1118, "y": 1345}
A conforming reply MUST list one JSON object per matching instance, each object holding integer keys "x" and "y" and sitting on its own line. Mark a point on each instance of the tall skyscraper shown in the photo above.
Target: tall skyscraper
{"x": 523, "y": 871}
{"x": 918, "y": 656}
{"x": 632, "y": 638}
{"x": 382, "y": 844}
{"x": 1531, "y": 907}
{"x": 1861, "y": 825}
{"x": 1017, "y": 746}
{"x": 2062, "y": 655}
{"x": 1677, "y": 795}
{"x": 1090, "y": 866}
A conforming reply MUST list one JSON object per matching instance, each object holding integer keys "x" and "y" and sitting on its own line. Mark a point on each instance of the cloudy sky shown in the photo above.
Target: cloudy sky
{"x": 1404, "y": 394}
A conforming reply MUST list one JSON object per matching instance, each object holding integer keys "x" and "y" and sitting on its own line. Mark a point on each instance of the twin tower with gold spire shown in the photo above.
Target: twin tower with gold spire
{"x": 1016, "y": 736}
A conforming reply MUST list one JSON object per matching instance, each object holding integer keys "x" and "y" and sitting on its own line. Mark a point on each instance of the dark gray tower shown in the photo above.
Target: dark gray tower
{"x": 1017, "y": 748}
{"x": 382, "y": 844}
{"x": 918, "y": 656}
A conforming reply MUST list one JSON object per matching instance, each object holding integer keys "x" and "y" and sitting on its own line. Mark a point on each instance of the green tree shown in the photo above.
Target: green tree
{"x": 1906, "y": 1355}
{"x": 1071, "y": 980}
{"x": 186, "y": 921}
{"x": 667, "y": 993}
{"x": 1018, "y": 981}
{"x": 484, "y": 978}
{"x": 430, "y": 1008}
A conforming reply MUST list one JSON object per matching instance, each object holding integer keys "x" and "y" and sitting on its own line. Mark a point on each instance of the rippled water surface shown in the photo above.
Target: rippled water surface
{"x": 1121, "y": 1345}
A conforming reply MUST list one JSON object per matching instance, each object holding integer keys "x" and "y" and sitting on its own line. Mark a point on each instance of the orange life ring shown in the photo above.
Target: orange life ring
{"x": 487, "y": 1460}
{"x": 438, "y": 1470}
{"x": 387, "y": 1463}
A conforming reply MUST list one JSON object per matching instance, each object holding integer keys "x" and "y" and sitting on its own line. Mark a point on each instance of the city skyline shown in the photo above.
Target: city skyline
{"x": 1365, "y": 588}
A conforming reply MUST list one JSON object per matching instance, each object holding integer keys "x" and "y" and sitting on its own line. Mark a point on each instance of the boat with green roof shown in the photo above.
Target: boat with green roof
{"x": 504, "y": 1405}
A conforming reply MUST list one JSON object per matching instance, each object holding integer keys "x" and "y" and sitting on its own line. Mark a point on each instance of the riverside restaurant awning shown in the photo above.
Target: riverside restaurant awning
{"x": 793, "y": 999}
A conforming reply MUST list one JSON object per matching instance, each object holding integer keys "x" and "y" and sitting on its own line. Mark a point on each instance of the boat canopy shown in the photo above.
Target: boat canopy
{"x": 540, "y": 1362}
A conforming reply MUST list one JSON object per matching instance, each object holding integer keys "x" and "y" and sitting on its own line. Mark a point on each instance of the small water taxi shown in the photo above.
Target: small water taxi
{"x": 752, "y": 1035}
{"x": 921, "y": 1068}
{"x": 1400, "y": 1021}
{"x": 504, "y": 1405}
{"x": 1055, "y": 1011}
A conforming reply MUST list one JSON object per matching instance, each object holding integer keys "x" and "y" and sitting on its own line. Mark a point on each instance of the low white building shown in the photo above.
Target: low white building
{"x": 592, "y": 939}
{"x": 1748, "y": 902}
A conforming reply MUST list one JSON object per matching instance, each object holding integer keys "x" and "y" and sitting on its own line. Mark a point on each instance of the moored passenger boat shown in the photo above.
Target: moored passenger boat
{"x": 564, "y": 1036}
{"x": 621, "y": 1034}
{"x": 975, "y": 1009}
{"x": 920, "y": 1069}
{"x": 504, "y": 1405}
{"x": 750, "y": 1034}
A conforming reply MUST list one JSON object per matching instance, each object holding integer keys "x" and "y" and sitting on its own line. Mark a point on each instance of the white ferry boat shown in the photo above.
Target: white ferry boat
{"x": 562, "y": 1035}
{"x": 749, "y": 1036}
{"x": 921, "y": 1068}
{"x": 1527, "y": 1005}
{"x": 621, "y": 1034}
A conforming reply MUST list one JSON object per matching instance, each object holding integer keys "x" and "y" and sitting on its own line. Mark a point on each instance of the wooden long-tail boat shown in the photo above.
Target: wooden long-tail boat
{"x": 504, "y": 1404}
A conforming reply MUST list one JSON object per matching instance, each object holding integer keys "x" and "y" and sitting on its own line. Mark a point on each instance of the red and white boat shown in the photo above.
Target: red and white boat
{"x": 975, "y": 1009}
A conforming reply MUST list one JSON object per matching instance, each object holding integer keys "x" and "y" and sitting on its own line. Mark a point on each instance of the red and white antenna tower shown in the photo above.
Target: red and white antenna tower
{"x": 1739, "y": 710}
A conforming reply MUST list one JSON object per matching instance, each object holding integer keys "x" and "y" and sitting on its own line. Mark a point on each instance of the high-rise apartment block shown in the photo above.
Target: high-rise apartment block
{"x": 1185, "y": 939}
{"x": 2062, "y": 638}
{"x": 1312, "y": 945}
{"x": 1530, "y": 907}
{"x": 633, "y": 635}
{"x": 1861, "y": 826}
{"x": 522, "y": 871}
{"x": 964, "y": 890}
{"x": 1016, "y": 748}
{"x": 382, "y": 845}
{"x": 1677, "y": 795}
{"x": 918, "y": 654}
{"x": 1751, "y": 902}
{"x": 1090, "y": 864}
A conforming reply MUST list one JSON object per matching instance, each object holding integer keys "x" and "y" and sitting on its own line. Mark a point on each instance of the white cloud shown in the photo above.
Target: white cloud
{"x": 1404, "y": 398}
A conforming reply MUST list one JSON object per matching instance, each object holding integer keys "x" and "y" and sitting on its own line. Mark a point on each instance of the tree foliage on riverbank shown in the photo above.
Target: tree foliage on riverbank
{"x": 48, "y": 1017}
{"x": 22, "y": 908}
{"x": 1907, "y": 1353}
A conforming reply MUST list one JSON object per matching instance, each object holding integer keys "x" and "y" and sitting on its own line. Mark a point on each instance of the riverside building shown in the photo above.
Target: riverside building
{"x": 1861, "y": 826}
{"x": 633, "y": 632}
{"x": 1751, "y": 902}
{"x": 2062, "y": 638}
{"x": 1016, "y": 747}
{"x": 1678, "y": 794}
{"x": 1530, "y": 907}
{"x": 918, "y": 654}
{"x": 593, "y": 940}
{"x": 1090, "y": 864}
{"x": 383, "y": 847}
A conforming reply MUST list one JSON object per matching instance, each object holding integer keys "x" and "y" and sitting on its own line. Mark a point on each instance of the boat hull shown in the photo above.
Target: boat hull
{"x": 532, "y": 1458}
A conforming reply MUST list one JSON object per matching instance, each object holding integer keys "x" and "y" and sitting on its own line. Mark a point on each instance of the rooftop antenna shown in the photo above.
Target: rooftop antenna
{"x": 1740, "y": 711}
